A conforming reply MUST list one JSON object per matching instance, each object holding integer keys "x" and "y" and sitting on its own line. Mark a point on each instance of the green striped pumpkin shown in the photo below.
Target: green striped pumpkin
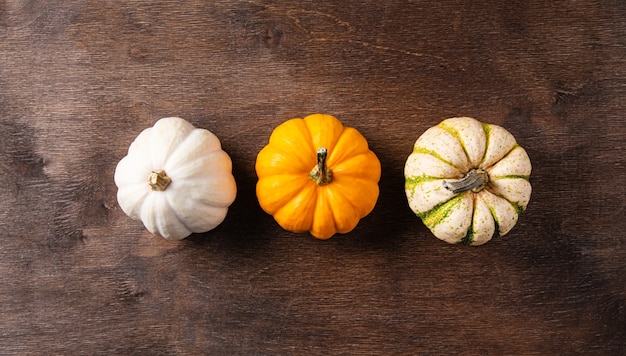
{"x": 468, "y": 181}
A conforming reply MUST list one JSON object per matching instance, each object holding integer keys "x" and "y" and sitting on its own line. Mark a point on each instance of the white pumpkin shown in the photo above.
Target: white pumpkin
{"x": 176, "y": 179}
{"x": 468, "y": 181}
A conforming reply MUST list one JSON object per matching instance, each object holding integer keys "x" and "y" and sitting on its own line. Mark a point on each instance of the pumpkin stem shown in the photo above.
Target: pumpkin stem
{"x": 158, "y": 180}
{"x": 475, "y": 180}
{"x": 321, "y": 174}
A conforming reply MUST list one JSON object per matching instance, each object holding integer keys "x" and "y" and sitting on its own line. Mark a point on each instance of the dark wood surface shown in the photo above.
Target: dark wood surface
{"x": 80, "y": 79}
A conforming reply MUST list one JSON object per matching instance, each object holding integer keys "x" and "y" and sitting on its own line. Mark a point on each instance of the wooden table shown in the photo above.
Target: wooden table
{"x": 80, "y": 79}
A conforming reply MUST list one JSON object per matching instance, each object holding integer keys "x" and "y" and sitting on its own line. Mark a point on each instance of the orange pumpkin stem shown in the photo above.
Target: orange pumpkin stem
{"x": 158, "y": 180}
{"x": 321, "y": 174}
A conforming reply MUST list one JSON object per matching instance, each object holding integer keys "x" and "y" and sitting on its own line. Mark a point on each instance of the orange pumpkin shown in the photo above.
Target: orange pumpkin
{"x": 317, "y": 175}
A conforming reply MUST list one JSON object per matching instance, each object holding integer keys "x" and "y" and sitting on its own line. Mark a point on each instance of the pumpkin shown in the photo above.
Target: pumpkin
{"x": 468, "y": 181}
{"x": 318, "y": 176}
{"x": 176, "y": 179}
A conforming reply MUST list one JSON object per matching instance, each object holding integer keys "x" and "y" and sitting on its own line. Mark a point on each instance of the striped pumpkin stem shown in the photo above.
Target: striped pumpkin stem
{"x": 475, "y": 180}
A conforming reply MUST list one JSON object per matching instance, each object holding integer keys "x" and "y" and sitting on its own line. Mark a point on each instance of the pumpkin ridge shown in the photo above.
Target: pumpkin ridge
{"x": 134, "y": 210}
{"x": 455, "y": 133}
{"x": 175, "y": 212}
{"x": 334, "y": 211}
{"x": 184, "y": 127}
{"x": 298, "y": 125}
{"x": 496, "y": 224}
{"x": 340, "y": 154}
{"x": 132, "y": 170}
{"x": 223, "y": 179}
{"x": 501, "y": 196}
{"x": 325, "y": 204}
{"x": 423, "y": 150}
{"x": 286, "y": 151}
{"x": 178, "y": 147}
{"x": 354, "y": 207}
{"x": 496, "y": 229}
{"x": 297, "y": 183}
{"x": 344, "y": 167}
{"x": 518, "y": 208}
{"x": 512, "y": 176}
{"x": 283, "y": 163}
{"x": 203, "y": 144}
{"x": 313, "y": 197}
{"x": 410, "y": 183}
{"x": 468, "y": 239}
{"x": 151, "y": 205}
{"x": 487, "y": 130}
{"x": 314, "y": 122}
{"x": 421, "y": 179}
{"x": 515, "y": 146}
{"x": 282, "y": 150}
{"x": 191, "y": 169}
{"x": 298, "y": 147}
{"x": 436, "y": 215}
{"x": 341, "y": 194}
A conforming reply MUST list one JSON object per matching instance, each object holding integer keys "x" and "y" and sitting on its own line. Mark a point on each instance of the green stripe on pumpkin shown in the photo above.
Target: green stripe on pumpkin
{"x": 496, "y": 230}
{"x": 436, "y": 215}
{"x": 487, "y": 130}
{"x": 411, "y": 182}
{"x": 516, "y": 205}
{"x": 468, "y": 238}
{"x": 434, "y": 154}
{"x": 452, "y": 131}
{"x": 512, "y": 176}
{"x": 516, "y": 145}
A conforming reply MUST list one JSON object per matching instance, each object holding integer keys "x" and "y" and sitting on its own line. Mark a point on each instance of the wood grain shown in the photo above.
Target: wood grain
{"x": 80, "y": 79}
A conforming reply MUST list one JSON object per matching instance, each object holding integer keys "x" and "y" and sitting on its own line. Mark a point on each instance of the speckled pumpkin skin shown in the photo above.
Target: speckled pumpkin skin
{"x": 445, "y": 154}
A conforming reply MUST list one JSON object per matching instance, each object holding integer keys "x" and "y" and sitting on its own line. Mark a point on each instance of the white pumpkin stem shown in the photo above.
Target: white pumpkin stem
{"x": 475, "y": 180}
{"x": 321, "y": 174}
{"x": 159, "y": 181}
